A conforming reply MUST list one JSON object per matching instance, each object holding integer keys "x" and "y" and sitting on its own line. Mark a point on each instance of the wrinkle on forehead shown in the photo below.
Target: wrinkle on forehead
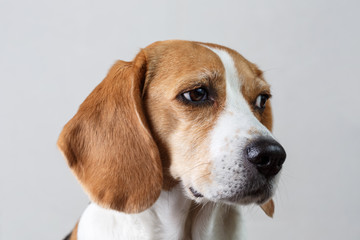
{"x": 233, "y": 84}
{"x": 179, "y": 63}
{"x": 203, "y": 77}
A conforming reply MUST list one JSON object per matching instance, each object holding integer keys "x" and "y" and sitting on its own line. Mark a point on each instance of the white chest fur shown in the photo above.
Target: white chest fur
{"x": 171, "y": 217}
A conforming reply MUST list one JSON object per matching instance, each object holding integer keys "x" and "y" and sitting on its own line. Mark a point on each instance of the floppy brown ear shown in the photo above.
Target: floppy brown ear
{"x": 108, "y": 144}
{"x": 268, "y": 208}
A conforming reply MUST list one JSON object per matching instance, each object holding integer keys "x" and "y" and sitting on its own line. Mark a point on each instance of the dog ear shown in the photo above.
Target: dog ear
{"x": 268, "y": 208}
{"x": 108, "y": 144}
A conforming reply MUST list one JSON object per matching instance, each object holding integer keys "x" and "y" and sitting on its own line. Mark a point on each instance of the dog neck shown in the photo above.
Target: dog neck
{"x": 173, "y": 216}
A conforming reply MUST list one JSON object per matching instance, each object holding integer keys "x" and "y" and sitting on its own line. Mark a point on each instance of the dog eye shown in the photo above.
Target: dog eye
{"x": 196, "y": 95}
{"x": 261, "y": 101}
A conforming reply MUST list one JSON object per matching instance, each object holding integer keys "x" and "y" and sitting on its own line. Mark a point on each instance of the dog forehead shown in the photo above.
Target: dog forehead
{"x": 173, "y": 60}
{"x": 244, "y": 67}
{"x": 178, "y": 58}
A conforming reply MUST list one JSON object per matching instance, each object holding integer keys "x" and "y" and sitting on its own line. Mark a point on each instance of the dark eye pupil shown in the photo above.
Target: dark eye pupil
{"x": 197, "y": 94}
{"x": 263, "y": 101}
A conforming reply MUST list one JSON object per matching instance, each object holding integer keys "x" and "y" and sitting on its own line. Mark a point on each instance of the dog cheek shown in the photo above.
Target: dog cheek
{"x": 193, "y": 166}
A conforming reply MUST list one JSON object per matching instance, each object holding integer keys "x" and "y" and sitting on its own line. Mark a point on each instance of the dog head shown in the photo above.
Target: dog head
{"x": 187, "y": 112}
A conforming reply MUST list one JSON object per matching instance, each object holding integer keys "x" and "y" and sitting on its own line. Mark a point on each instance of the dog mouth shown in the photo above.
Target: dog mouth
{"x": 195, "y": 193}
{"x": 243, "y": 196}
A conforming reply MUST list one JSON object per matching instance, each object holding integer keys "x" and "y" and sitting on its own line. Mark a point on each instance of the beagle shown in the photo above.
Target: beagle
{"x": 169, "y": 145}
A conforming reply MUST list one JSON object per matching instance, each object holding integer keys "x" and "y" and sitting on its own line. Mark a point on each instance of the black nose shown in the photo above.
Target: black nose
{"x": 266, "y": 154}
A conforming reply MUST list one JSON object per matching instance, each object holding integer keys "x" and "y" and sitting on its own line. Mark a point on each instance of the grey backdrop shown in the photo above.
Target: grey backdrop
{"x": 53, "y": 53}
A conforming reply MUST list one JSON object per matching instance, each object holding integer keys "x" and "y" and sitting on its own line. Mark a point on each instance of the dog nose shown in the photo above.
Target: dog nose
{"x": 266, "y": 154}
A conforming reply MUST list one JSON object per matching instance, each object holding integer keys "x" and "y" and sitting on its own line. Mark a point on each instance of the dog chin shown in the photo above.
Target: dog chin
{"x": 245, "y": 197}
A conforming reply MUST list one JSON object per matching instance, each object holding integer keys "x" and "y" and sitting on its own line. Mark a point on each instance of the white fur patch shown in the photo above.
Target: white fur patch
{"x": 165, "y": 220}
{"x": 230, "y": 135}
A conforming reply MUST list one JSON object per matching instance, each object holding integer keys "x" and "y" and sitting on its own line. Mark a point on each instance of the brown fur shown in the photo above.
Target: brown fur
{"x": 108, "y": 144}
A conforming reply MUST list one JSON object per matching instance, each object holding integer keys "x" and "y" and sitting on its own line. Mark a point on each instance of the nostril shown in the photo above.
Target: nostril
{"x": 264, "y": 161}
{"x": 257, "y": 156}
{"x": 267, "y": 155}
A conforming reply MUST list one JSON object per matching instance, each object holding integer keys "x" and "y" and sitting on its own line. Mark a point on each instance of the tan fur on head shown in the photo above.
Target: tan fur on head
{"x": 108, "y": 144}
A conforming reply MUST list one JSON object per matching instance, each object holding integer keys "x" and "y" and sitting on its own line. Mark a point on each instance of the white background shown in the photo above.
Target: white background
{"x": 53, "y": 53}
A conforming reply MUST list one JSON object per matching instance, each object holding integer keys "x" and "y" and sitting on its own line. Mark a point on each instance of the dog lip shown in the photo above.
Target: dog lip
{"x": 258, "y": 196}
{"x": 195, "y": 193}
